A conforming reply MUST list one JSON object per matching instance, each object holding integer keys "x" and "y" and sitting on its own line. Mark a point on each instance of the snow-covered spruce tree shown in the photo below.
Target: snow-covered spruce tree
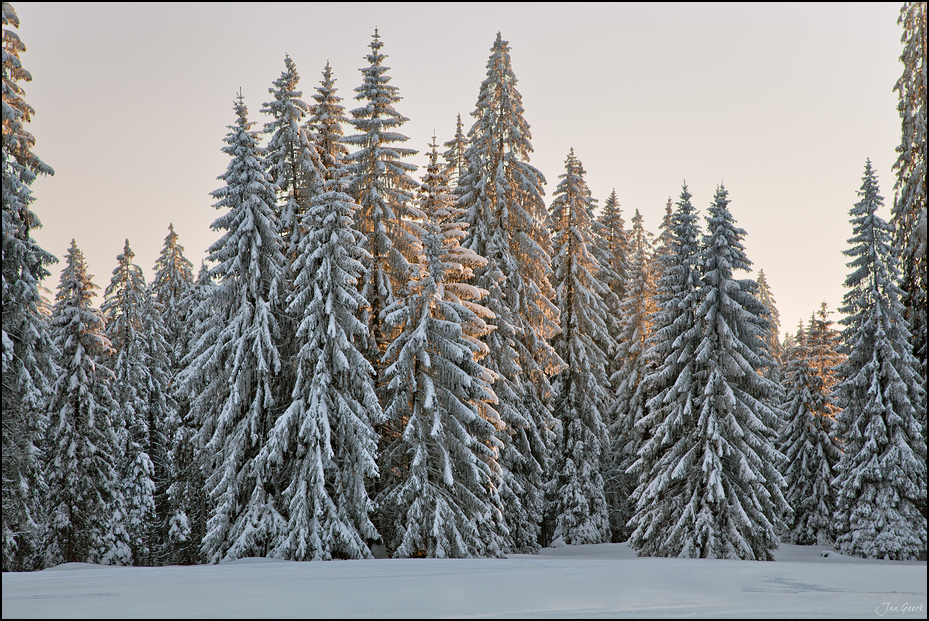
{"x": 323, "y": 446}
{"x": 326, "y": 118}
{"x": 909, "y": 211}
{"x": 612, "y": 252}
{"x": 438, "y": 204}
{"x": 630, "y": 390}
{"x": 881, "y": 481}
{"x": 380, "y": 182}
{"x": 161, "y": 413}
{"x": 581, "y": 389}
{"x": 442, "y": 498}
{"x": 239, "y": 369}
{"x": 82, "y": 444}
{"x": 715, "y": 491}
{"x": 807, "y": 438}
{"x": 27, "y": 352}
{"x": 133, "y": 521}
{"x": 502, "y": 194}
{"x": 773, "y": 333}
{"x": 455, "y": 162}
{"x": 187, "y": 502}
{"x": 173, "y": 280}
{"x": 671, "y": 392}
{"x": 290, "y": 156}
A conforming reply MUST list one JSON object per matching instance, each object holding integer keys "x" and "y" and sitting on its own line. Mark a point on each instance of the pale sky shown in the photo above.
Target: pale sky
{"x": 780, "y": 102}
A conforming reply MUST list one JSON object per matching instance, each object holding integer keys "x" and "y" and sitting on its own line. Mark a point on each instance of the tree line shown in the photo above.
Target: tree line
{"x": 370, "y": 363}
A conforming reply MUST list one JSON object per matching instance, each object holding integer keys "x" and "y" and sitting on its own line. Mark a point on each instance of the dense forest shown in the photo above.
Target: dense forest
{"x": 378, "y": 360}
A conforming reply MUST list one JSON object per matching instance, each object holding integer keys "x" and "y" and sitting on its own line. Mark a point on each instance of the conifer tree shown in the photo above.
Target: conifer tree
{"x": 772, "y": 335}
{"x": 382, "y": 186}
{"x": 615, "y": 240}
{"x": 187, "y": 502}
{"x": 26, "y": 350}
{"x": 82, "y": 441}
{"x": 291, "y": 157}
{"x": 238, "y": 370}
{"x": 909, "y": 210}
{"x": 326, "y": 118}
{"x": 715, "y": 491}
{"x": 881, "y": 479}
{"x": 630, "y": 394}
{"x": 670, "y": 390}
{"x": 170, "y": 287}
{"x": 807, "y": 438}
{"x": 161, "y": 413}
{"x": 502, "y": 194}
{"x": 323, "y": 447}
{"x": 581, "y": 396}
{"x": 133, "y": 520}
{"x": 442, "y": 498}
{"x": 454, "y": 156}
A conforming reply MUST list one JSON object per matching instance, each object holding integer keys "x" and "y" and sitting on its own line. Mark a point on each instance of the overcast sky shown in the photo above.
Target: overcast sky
{"x": 780, "y": 102}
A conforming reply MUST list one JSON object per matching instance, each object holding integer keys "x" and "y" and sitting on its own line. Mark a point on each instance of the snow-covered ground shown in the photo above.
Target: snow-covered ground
{"x": 605, "y": 580}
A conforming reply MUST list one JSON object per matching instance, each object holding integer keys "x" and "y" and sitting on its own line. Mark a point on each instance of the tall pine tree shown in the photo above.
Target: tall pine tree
{"x": 502, "y": 194}
{"x": 26, "y": 350}
{"x": 83, "y": 447}
{"x": 323, "y": 447}
{"x": 124, "y": 306}
{"x": 581, "y": 397}
{"x": 441, "y": 499}
{"x": 807, "y": 438}
{"x": 383, "y": 188}
{"x": 239, "y": 366}
{"x": 909, "y": 211}
{"x": 715, "y": 491}
{"x": 630, "y": 389}
{"x": 881, "y": 479}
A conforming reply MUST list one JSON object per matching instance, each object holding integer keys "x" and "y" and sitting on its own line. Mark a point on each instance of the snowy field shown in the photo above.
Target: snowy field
{"x": 604, "y": 580}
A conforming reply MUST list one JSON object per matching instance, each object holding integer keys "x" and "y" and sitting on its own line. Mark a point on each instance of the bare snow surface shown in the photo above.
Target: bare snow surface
{"x": 598, "y": 581}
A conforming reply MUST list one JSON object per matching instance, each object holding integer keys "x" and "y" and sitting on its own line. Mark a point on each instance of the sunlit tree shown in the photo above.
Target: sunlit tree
{"x": 581, "y": 389}
{"x": 909, "y": 210}
{"x": 630, "y": 389}
{"x": 502, "y": 195}
{"x": 26, "y": 350}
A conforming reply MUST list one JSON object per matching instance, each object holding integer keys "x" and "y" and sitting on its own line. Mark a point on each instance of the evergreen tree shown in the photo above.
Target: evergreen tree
{"x": 326, "y": 117}
{"x": 381, "y": 184}
{"x": 188, "y": 506}
{"x": 26, "y": 350}
{"x": 324, "y": 446}
{"x": 454, "y": 156}
{"x": 442, "y": 497}
{"x": 807, "y": 438}
{"x": 615, "y": 240}
{"x": 581, "y": 399}
{"x": 502, "y": 194}
{"x": 161, "y": 413}
{"x": 291, "y": 157}
{"x": 238, "y": 370}
{"x": 715, "y": 491}
{"x": 82, "y": 440}
{"x": 133, "y": 519}
{"x": 909, "y": 211}
{"x": 881, "y": 479}
{"x": 671, "y": 393}
{"x": 630, "y": 394}
{"x": 170, "y": 287}
{"x": 772, "y": 335}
